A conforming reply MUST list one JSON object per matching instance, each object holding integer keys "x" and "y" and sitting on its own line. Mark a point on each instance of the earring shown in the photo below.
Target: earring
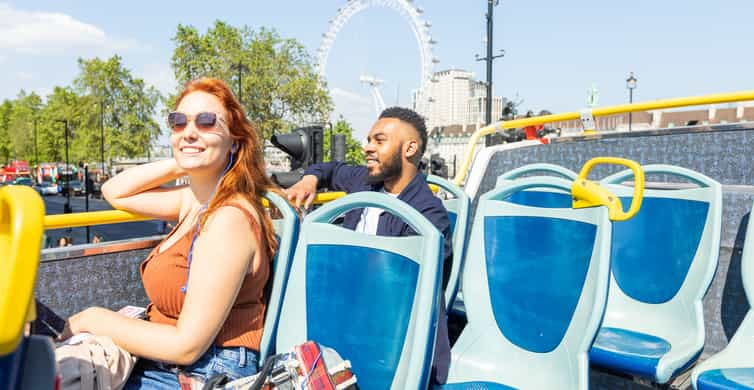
{"x": 234, "y": 147}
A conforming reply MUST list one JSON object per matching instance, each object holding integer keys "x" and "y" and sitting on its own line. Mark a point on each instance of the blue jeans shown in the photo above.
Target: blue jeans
{"x": 234, "y": 362}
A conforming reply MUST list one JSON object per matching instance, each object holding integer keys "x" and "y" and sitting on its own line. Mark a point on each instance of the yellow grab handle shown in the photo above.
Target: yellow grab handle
{"x": 589, "y": 194}
{"x": 21, "y": 215}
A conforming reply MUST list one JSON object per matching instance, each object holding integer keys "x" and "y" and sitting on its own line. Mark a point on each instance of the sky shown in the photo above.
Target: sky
{"x": 555, "y": 51}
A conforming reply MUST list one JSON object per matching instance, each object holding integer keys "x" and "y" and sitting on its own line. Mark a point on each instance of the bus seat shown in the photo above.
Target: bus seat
{"x": 733, "y": 367}
{"x": 21, "y": 219}
{"x": 539, "y": 197}
{"x": 458, "y": 212}
{"x": 533, "y": 306}
{"x": 663, "y": 261}
{"x": 374, "y": 299}
{"x": 286, "y": 232}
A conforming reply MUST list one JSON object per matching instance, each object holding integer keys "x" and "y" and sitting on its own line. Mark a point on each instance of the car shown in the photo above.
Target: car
{"x": 74, "y": 185}
{"x": 23, "y": 181}
{"x": 46, "y": 188}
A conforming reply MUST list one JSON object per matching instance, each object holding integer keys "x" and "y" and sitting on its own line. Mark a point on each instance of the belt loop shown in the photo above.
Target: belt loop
{"x": 242, "y": 359}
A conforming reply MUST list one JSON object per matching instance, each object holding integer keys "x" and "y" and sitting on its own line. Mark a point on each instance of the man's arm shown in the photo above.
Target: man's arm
{"x": 338, "y": 176}
{"x": 333, "y": 175}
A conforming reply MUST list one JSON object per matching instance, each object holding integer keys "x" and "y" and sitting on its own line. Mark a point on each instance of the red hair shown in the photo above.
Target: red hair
{"x": 247, "y": 176}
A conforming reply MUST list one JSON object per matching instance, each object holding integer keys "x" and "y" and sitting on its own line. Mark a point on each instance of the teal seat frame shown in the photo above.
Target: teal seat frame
{"x": 461, "y": 207}
{"x": 331, "y": 299}
{"x": 733, "y": 367}
{"x": 654, "y": 324}
{"x": 286, "y": 228}
{"x": 491, "y": 353}
{"x": 546, "y": 168}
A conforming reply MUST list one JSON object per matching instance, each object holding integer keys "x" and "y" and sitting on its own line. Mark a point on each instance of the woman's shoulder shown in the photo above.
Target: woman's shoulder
{"x": 236, "y": 209}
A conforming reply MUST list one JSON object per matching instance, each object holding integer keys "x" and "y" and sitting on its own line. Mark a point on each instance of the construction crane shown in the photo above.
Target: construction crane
{"x": 374, "y": 83}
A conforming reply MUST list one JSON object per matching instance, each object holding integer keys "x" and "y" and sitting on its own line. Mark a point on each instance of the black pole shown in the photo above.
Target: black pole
{"x": 87, "y": 188}
{"x": 102, "y": 135}
{"x": 488, "y": 59}
{"x": 488, "y": 105}
{"x": 36, "y": 151}
{"x": 67, "y": 207}
{"x": 240, "y": 74}
{"x": 630, "y": 100}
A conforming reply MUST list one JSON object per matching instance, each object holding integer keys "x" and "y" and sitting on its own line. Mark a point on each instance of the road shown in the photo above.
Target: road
{"x": 119, "y": 231}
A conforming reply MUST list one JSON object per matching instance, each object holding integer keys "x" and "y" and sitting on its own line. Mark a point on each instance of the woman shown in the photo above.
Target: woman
{"x": 206, "y": 279}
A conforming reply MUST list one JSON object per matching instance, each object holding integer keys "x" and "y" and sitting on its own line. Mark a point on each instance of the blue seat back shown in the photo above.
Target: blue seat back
{"x": 663, "y": 261}
{"x": 458, "y": 212}
{"x": 286, "y": 230}
{"x": 372, "y": 298}
{"x": 539, "y": 197}
{"x": 733, "y": 367}
{"x": 535, "y": 287}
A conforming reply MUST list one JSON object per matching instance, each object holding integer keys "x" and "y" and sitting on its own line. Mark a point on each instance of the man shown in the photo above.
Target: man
{"x": 395, "y": 147}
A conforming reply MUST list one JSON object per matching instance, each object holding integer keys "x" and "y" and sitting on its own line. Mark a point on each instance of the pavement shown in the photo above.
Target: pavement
{"x": 119, "y": 231}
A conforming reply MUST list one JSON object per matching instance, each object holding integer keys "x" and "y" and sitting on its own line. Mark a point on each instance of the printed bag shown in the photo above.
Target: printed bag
{"x": 309, "y": 366}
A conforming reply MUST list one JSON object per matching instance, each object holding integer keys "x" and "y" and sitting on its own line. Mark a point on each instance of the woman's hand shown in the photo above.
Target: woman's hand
{"x": 85, "y": 321}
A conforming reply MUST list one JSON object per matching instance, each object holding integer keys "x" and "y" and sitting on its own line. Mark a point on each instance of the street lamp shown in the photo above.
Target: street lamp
{"x": 631, "y": 85}
{"x": 102, "y": 135}
{"x": 67, "y": 207}
{"x": 240, "y": 67}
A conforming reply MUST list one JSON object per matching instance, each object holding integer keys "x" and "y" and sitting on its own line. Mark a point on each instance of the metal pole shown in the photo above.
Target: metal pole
{"x": 488, "y": 105}
{"x": 36, "y": 151}
{"x": 67, "y": 208}
{"x": 488, "y": 59}
{"x": 240, "y": 74}
{"x": 102, "y": 135}
{"x": 630, "y": 100}
{"x": 87, "y": 188}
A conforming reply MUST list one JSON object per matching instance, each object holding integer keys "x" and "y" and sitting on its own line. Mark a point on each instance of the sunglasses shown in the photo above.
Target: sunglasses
{"x": 178, "y": 121}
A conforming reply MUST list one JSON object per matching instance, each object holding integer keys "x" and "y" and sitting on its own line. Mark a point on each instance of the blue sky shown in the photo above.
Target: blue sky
{"x": 555, "y": 50}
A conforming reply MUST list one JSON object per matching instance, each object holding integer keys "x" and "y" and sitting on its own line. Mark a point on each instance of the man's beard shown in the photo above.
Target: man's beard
{"x": 389, "y": 169}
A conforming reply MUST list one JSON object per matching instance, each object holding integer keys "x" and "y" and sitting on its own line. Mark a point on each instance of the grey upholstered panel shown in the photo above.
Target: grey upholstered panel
{"x": 110, "y": 280}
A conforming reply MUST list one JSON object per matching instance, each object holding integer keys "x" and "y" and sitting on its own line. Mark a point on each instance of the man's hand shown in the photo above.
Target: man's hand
{"x": 303, "y": 191}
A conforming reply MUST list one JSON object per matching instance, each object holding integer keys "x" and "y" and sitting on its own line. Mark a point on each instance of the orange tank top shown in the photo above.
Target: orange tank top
{"x": 163, "y": 275}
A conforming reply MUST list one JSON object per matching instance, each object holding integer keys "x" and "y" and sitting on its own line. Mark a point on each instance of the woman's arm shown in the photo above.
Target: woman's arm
{"x": 223, "y": 254}
{"x": 138, "y": 190}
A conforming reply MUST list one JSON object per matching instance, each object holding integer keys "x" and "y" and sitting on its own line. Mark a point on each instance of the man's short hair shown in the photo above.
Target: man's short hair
{"x": 412, "y": 118}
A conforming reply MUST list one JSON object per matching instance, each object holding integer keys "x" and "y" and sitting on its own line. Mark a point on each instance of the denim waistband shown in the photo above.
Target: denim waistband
{"x": 238, "y": 355}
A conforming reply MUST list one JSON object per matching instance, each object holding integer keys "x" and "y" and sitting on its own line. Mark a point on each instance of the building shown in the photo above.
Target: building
{"x": 454, "y": 98}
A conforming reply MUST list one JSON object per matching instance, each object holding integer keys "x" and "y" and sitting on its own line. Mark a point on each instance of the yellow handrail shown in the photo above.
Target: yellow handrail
{"x": 92, "y": 218}
{"x": 596, "y": 112}
{"x": 59, "y": 221}
{"x": 21, "y": 213}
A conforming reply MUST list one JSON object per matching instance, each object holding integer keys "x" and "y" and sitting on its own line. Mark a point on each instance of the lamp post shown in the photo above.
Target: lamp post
{"x": 102, "y": 136}
{"x": 488, "y": 59}
{"x": 240, "y": 67}
{"x": 67, "y": 207}
{"x": 36, "y": 151}
{"x": 631, "y": 85}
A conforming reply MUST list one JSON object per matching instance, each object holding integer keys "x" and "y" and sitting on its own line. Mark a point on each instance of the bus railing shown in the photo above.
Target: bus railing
{"x": 93, "y": 218}
{"x": 596, "y": 112}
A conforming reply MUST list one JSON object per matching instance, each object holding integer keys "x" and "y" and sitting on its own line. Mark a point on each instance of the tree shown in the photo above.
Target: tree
{"x": 21, "y": 125}
{"x": 279, "y": 88}
{"x": 5, "y": 144}
{"x": 62, "y": 104}
{"x": 120, "y": 102}
{"x": 354, "y": 150}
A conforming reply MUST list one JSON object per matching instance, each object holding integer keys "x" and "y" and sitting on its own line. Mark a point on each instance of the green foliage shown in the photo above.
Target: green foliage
{"x": 6, "y": 110}
{"x": 120, "y": 103}
{"x": 30, "y": 127}
{"x": 279, "y": 88}
{"x": 354, "y": 150}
